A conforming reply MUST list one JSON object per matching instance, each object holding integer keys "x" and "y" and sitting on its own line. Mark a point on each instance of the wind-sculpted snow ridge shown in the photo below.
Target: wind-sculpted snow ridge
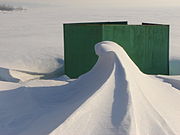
{"x": 32, "y": 68}
{"x": 114, "y": 98}
{"x": 125, "y": 102}
{"x": 13, "y": 75}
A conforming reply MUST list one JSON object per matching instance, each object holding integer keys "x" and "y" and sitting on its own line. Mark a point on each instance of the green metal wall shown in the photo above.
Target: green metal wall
{"x": 79, "y": 53}
{"x": 147, "y": 45}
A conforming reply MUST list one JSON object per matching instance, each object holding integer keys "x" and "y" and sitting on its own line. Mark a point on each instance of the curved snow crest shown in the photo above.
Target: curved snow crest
{"x": 122, "y": 100}
{"x": 41, "y": 71}
{"x": 13, "y": 75}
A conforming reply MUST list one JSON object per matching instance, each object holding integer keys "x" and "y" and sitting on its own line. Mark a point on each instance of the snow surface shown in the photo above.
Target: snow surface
{"x": 32, "y": 40}
{"x": 114, "y": 98}
{"x": 173, "y": 80}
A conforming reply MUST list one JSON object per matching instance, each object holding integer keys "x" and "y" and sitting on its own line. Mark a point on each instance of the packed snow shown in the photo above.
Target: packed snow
{"x": 114, "y": 98}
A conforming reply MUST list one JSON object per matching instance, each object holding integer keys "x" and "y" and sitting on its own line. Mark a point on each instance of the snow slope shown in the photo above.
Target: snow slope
{"x": 124, "y": 103}
{"x": 114, "y": 98}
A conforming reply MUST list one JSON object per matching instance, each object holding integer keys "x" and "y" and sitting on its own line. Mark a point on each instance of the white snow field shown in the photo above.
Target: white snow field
{"x": 31, "y": 40}
{"x": 114, "y": 98}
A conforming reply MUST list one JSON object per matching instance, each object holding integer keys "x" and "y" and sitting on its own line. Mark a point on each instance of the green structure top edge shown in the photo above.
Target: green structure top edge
{"x": 154, "y": 24}
{"x": 100, "y": 23}
{"x": 116, "y": 23}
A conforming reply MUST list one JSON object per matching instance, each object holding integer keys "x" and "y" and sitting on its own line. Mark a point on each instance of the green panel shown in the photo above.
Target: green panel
{"x": 79, "y": 41}
{"x": 147, "y": 45}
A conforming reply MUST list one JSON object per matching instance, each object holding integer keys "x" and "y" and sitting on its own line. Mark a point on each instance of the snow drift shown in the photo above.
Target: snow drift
{"x": 125, "y": 102}
{"x": 114, "y": 98}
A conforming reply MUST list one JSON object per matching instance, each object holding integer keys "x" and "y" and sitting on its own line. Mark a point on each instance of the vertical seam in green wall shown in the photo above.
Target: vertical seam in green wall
{"x": 168, "y": 49}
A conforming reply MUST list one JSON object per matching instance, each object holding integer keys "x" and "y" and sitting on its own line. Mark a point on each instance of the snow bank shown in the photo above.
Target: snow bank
{"x": 54, "y": 70}
{"x": 173, "y": 80}
{"x": 114, "y": 98}
{"x": 25, "y": 66}
{"x": 126, "y": 102}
